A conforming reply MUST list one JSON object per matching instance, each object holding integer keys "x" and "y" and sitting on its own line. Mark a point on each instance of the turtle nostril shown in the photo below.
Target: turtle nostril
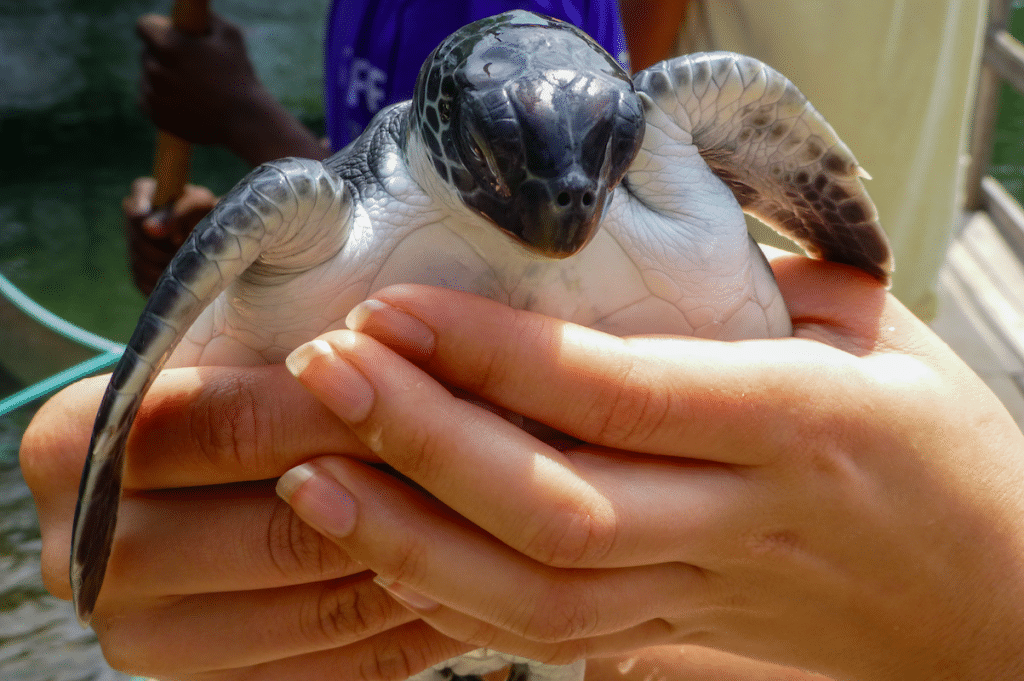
{"x": 567, "y": 198}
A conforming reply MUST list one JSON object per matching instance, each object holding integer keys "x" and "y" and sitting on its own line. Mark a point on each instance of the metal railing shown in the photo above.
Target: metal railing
{"x": 984, "y": 271}
{"x": 1002, "y": 61}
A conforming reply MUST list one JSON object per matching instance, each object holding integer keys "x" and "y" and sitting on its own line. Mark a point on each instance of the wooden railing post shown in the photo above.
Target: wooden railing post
{"x": 985, "y": 108}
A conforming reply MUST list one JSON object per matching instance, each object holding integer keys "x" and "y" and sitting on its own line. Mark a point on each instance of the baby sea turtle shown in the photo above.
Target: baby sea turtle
{"x": 528, "y": 168}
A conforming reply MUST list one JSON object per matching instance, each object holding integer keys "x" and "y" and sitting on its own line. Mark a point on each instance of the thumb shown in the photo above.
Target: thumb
{"x": 156, "y": 225}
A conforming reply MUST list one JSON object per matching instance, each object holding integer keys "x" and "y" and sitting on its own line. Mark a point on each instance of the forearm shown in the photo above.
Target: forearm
{"x": 205, "y": 90}
{"x": 265, "y": 130}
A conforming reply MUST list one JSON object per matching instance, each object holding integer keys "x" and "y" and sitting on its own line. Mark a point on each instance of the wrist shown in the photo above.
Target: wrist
{"x": 262, "y": 130}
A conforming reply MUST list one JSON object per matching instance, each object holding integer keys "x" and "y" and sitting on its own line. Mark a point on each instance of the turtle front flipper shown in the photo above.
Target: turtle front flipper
{"x": 770, "y": 146}
{"x": 289, "y": 204}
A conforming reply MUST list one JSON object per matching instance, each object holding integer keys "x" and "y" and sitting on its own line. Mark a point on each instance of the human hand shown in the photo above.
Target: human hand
{"x": 847, "y": 501}
{"x": 205, "y": 90}
{"x": 154, "y": 236}
{"x": 212, "y": 576}
{"x": 196, "y": 86}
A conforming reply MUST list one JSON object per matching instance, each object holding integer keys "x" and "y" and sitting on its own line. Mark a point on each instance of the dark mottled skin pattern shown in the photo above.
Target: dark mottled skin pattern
{"x": 361, "y": 164}
{"x": 505, "y": 125}
{"x": 822, "y": 207}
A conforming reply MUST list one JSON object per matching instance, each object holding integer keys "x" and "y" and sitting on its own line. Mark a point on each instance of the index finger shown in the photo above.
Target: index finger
{"x": 217, "y": 425}
{"x": 664, "y": 396}
{"x": 155, "y": 30}
{"x": 204, "y": 426}
{"x": 139, "y": 202}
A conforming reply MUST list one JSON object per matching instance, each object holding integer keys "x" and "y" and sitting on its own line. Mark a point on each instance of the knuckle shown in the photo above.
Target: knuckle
{"x": 390, "y": 661}
{"x": 297, "y": 550}
{"x": 123, "y": 659}
{"x": 478, "y": 634}
{"x": 409, "y": 563}
{"x": 118, "y": 656}
{"x": 346, "y": 612}
{"x": 568, "y": 613}
{"x": 226, "y": 425}
{"x": 423, "y": 450}
{"x": 470, "y": 631}
{"x": 405, "y": 651}
{"x": 579, "y": 536}
{"x": 565, "y": 653}
{"x": 126, "y": 646}
{"x": 490, "y": 370}
{"x": 776, "y": 543}
{"x": 496, "y": 368}
{"x": 630, "y": 411}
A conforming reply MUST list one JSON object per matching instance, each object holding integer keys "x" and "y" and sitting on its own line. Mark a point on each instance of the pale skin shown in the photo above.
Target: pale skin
{"x": 849, "y": 501}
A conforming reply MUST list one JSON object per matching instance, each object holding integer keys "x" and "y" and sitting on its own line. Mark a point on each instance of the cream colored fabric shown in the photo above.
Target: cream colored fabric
{"x": 896, "y": 80}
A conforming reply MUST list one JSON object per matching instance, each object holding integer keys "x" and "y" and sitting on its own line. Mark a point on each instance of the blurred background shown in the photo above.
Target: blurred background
{"x": 71, "y": 141}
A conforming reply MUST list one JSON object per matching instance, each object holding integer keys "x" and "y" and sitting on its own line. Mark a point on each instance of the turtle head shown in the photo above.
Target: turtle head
{"x": 532, "y": 124}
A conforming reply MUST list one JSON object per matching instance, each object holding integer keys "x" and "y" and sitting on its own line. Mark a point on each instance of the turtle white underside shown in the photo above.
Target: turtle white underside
{"x": 693, "y": 272}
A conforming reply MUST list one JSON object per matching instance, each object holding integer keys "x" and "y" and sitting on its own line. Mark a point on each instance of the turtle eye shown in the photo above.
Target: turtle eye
{"x": 476, "y": 151}
{"x": 486, "y": 164}
{"x": 474, "y": 148}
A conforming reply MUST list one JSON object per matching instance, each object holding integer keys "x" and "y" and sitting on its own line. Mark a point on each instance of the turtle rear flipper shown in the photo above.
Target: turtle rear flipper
{"x": 291, "y": 204}
{"x": 783, "y": 162}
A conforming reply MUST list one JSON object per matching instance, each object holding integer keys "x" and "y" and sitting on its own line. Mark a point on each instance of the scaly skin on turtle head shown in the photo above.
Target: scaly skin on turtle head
{"x": 533, "y": 127}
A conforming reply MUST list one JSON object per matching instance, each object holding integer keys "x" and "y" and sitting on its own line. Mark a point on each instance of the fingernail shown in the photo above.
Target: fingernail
{"x": 318, "y": 499}
{"x": 335, "y": 382}
{"x": 393, "y": 327}
{"x": 154, "y": 227}
{"x": 141, "y": 205}
{"x": 413, "y": 599}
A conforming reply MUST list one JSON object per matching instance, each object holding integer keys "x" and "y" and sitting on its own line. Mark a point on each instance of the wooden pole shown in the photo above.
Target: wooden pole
{"x": 172, "y": 157}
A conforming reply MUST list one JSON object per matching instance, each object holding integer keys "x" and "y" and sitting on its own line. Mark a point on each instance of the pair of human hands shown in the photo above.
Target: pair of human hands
{"x": 847, "y": 501}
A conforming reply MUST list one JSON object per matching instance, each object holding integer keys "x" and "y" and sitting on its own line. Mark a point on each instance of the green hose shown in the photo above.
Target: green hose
{"x": 110, "y": 351}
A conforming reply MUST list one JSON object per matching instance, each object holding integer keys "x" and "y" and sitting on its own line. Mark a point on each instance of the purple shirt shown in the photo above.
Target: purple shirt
{"x": 375, "y": 48}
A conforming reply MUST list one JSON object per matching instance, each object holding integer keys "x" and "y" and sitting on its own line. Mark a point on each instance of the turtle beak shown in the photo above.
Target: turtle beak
{"x": 559, "y": 217}
{"x": 576, "y": 163}
{"x": 544, "y": 158}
